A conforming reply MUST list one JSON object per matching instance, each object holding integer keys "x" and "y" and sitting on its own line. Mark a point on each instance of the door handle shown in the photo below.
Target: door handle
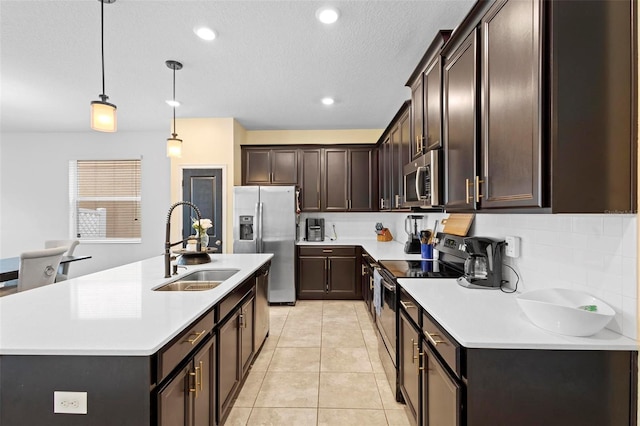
{"x": 468, "y": 183}
{"x": 477, "y": 185}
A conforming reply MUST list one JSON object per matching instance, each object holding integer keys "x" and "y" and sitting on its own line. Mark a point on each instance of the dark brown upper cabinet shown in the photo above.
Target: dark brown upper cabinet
{"x": 394, "y": 151}
{"x": 269, "y": 166}
{"x": 349, "y": 175}
{"x": 553, "y": 124}
{"x": 426, "y": 99}
{"x": 310, "y": 164}
{"x": 459, "y": 87}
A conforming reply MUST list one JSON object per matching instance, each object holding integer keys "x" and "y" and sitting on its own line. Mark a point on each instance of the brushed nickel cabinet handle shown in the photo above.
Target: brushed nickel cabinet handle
{"x": 468, "y": 183}
{"x": 327, "y": 250}
{"x": 424, "y": 361}
{"x": 199, "y": 369}
{"x": 407, "y": 305}
{"x": 413, "y": 352}
{"x": 435, "y": 342}
{"x": 197, "y": 335}
{"x": 194, "y": 389}
{"x": 477, "y": 185}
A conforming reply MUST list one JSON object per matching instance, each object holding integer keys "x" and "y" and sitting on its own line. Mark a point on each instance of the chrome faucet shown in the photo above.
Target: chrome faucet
{"x": 168, "y": 244}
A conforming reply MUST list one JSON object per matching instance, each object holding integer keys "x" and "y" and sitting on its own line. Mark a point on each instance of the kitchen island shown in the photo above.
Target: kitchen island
{"x": 110, "y": 335}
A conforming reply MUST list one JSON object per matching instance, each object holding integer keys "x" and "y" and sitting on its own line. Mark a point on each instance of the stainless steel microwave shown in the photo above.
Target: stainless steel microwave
{"x": 422, "y": 181}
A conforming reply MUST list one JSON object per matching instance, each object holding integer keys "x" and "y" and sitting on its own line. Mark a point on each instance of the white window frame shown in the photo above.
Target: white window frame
{"x": 73, "y": 209}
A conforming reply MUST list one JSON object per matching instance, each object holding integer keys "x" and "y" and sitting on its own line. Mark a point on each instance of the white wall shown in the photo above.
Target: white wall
{"x": 34, "y": 192}
{"x": 593, "y": 253}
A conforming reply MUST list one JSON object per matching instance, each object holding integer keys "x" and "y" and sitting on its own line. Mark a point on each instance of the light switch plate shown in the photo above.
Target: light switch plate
{"x": 513, "y": 246}
{"x": 69, "y": 402}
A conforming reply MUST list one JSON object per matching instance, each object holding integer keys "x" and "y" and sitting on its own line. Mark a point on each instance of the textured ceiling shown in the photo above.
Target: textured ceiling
{"x": 269, "y": 67}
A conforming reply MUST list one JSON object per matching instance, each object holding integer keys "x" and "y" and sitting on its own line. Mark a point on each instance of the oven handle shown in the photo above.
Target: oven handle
{"x": 388, "y": 286}
{"x": 418, "y": 192}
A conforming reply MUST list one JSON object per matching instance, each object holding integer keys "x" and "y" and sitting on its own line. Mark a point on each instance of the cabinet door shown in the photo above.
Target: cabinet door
{"x": 173, "y": 401}
{"x": 511, "y": 102}
{"x": 433, "y": 102}
{"x": 402, "y": 156}
{"x": 335, "y": 192}
{"x": 257, "y": 167}
{"x": 312, "y": 277}
{"x": 284, "y": 167}
{"x": 362, "y": 194}
{"x": 228, "y": 363}
{"x": 384, "y": 167}
{"x": 310, "y": 180}
{"x": 460, "y": 125}
{"x": 417, "y": 117}
{"x": 441, "y": 394}
{"x": 342, "y": 273}
{"x": 397, "y": 184}
{"x": 246, "y": 333}
{"x": 203, "y": 396}
{"x": 409, "y": 365}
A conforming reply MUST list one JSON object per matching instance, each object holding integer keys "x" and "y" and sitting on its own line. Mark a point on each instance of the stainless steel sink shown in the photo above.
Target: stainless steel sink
{"x": 199, "y": 280}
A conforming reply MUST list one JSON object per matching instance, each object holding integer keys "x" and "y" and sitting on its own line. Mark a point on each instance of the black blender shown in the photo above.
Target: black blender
{"x": 412, "y": 246}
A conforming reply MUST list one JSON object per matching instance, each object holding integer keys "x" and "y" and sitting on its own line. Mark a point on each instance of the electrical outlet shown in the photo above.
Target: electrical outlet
{"x": 513, "y": 246}
{"x": 69, "y": 402}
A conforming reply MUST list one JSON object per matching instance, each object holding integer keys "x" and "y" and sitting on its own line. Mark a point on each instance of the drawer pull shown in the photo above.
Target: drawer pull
{"x": 197, "y": 335}
{"x": 413, "y": 351}
{"x": 424, "y": 361}
{"x": 407, "y": 305}
{"x": 434, "y": 341}
{"x": 327, "y": 250}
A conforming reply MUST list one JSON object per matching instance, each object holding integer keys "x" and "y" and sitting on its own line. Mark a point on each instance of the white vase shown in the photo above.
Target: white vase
{"x": 204, "y": 240}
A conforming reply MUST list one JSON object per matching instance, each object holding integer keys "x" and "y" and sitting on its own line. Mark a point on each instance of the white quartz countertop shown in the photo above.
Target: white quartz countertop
{"x": 112, "y": 312}
{"x": 479, "y": 318}
{"x": 388, "y": 250}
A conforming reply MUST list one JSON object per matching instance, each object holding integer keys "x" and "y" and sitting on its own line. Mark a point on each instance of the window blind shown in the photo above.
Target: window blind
{"x": 105, "y": 199}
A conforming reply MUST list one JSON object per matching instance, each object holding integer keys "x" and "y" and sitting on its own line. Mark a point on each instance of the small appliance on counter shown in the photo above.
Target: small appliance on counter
{"x": 314, "y": 229}
{"x": 412, "y": 246}
{"x": 383, "y": 234}
{"x": 483, "y": 267}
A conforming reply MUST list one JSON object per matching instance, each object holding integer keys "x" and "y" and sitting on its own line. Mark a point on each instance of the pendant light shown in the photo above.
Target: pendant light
{"x": 103, "y": 113}
{"x": 174, "y": 145}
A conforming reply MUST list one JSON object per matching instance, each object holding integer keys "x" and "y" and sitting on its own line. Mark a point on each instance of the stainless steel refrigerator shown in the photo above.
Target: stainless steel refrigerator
{"x": 264, "y": 221}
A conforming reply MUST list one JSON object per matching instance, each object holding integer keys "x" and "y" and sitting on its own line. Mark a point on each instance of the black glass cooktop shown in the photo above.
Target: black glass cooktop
{"x": 421, "y": 269}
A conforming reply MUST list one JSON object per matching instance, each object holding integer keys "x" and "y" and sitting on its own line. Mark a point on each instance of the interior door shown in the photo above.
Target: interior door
{"x": 203, "y": 187}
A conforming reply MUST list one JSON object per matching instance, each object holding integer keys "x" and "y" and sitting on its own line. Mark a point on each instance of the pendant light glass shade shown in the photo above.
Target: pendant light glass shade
{"x": 103, "y": 113}
{"x": 104, "y": 116}
{"x": 174, "y": 145}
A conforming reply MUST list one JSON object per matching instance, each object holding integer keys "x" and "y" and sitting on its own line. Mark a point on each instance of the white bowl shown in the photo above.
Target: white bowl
{"x": 562, "y": 311}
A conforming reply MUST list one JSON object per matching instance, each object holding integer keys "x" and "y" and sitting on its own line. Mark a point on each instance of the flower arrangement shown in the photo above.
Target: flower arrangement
{"x": 201, "y": 225}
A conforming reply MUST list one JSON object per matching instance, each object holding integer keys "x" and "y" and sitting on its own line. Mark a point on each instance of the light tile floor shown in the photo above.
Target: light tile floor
{"x": 319, "y": 366}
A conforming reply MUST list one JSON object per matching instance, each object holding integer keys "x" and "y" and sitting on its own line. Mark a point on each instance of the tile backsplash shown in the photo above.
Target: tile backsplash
{"x": 593, "y": 253}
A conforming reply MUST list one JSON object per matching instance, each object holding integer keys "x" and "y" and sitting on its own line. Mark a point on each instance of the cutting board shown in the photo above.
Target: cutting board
{"x": 458, "y": 223}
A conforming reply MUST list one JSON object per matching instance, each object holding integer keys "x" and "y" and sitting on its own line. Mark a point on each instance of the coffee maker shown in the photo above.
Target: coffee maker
{"x": 483, "y": 266}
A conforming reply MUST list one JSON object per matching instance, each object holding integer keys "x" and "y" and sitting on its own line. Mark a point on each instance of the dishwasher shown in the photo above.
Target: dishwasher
{"x": 262, "y": 305}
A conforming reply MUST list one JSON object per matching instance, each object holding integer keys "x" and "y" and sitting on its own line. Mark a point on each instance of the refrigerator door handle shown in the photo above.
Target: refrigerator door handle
{"x": 259, "y": 237}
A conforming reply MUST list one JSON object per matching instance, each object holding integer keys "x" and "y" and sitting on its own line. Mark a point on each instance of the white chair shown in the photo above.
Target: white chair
{"x": 63, "y": 270}
{"x": 38, "y": 268}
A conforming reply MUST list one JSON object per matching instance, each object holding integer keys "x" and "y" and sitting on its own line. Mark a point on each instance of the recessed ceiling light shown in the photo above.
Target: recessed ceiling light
{"x": 327, "y": 101}
{"x": 327, "y": 15}
{"x": 172, "y": 103}
{"x": 205, "y": 33}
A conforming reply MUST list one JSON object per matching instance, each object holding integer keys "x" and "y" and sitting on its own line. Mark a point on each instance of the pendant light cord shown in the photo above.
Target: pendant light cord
{"x": 102, "y": 42}
{"x": 174, "y": 102}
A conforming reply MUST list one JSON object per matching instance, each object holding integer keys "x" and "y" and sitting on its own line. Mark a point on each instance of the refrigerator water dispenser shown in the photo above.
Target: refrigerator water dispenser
{"x": 246, "y": 227}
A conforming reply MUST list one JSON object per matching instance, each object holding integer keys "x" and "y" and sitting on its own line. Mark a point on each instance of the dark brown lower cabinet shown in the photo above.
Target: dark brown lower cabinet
{"x": 441, "y": 397}
{"x": 228, "y": 364}
{"x": 187, "y": 397}
{"x": 329, "y": 273}
{"x": 409, "y": 344}
{"x": 246, "y": 334}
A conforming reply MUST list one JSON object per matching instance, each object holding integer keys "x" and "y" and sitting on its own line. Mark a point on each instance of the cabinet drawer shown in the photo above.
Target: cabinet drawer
{"x": 232, "y": 299}
{"x": 409, "y": 306}
{"x": 174, "y": 352}
{"x": 327, "y": 251}
{"x": 443, "y": 344}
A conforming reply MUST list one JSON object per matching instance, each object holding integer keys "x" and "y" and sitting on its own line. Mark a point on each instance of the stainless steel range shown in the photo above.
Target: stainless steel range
{"x": 450, "y": 264}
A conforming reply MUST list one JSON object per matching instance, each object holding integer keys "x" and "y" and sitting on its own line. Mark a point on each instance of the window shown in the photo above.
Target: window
{"x": 104, "y": 197}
